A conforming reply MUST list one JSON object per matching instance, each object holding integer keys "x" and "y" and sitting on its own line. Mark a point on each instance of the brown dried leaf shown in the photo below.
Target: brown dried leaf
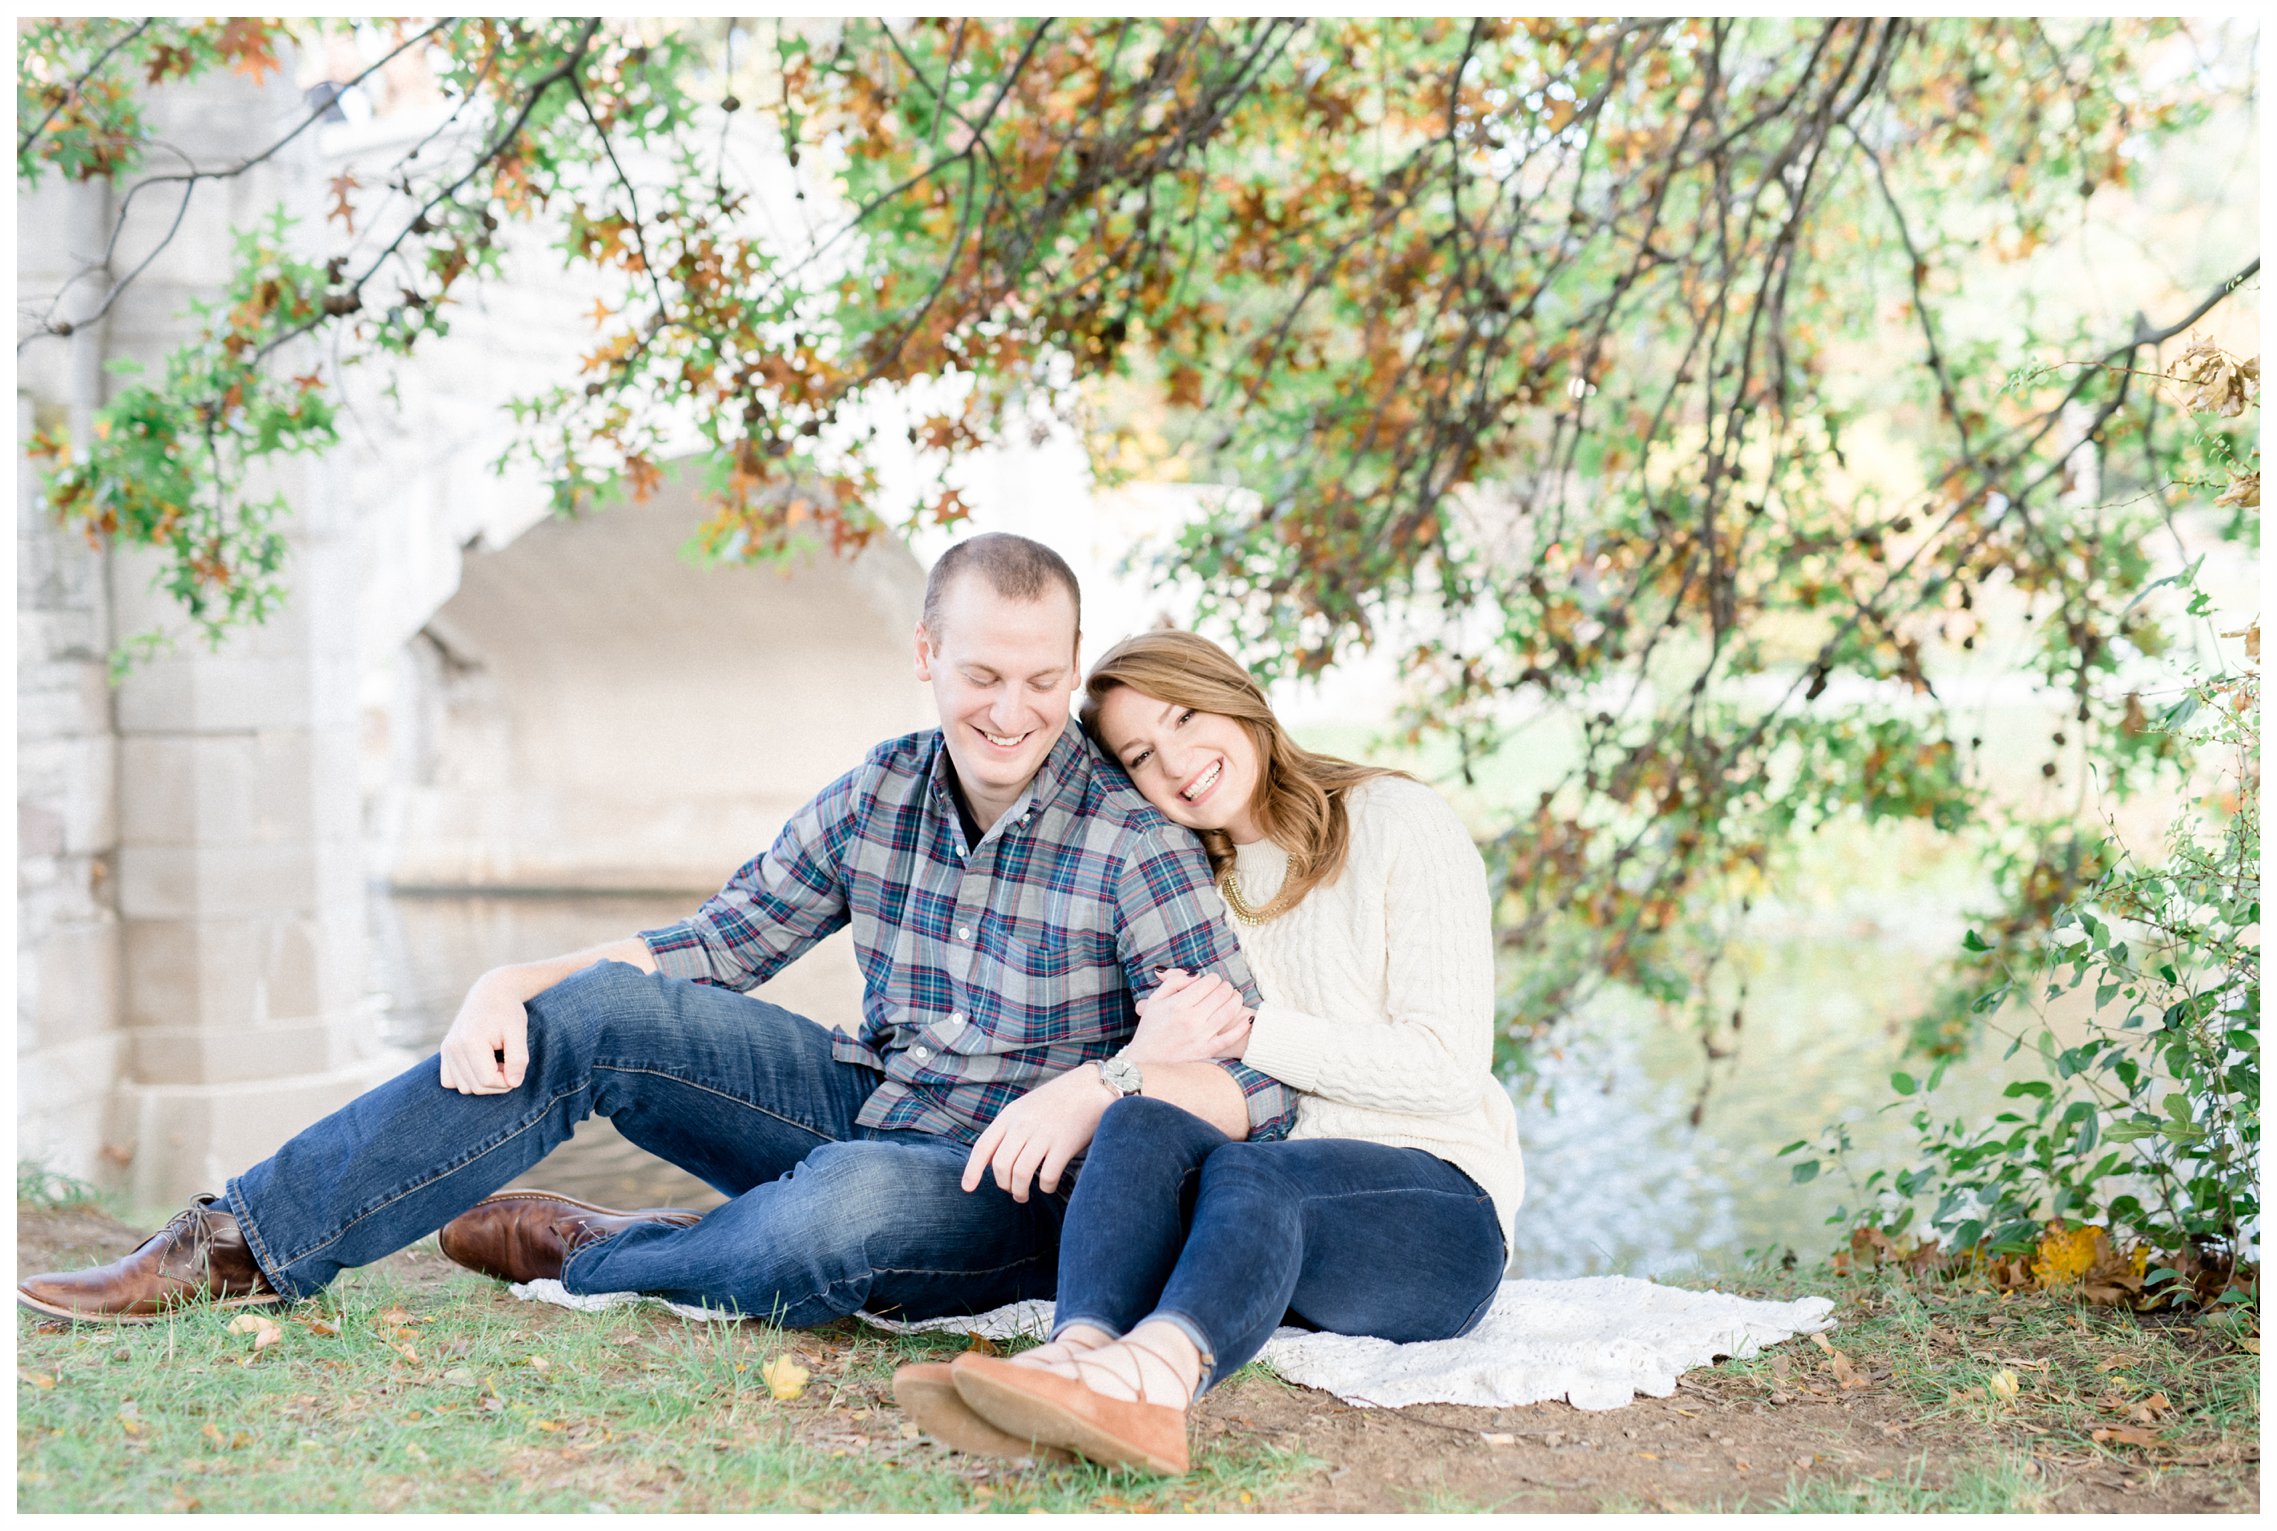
{"x": 2123, "y": 1435}
{"x": 2148, "y": 1411}
{"x": 40, "y": 1380}
{"x": 2119, "y": 1362}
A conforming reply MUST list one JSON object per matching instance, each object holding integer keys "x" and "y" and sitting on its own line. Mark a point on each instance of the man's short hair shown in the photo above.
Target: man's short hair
{"x": 1016, "y": 568}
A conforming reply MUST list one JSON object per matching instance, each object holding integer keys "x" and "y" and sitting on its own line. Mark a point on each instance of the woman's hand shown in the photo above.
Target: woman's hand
{"x": 1190, "y": 1019}
{"x": 1034, "y": 1138}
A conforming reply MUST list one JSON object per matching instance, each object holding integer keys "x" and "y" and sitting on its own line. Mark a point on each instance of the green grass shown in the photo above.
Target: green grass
{"x": 506, "y": 1407}
{"x": 2005, "y": 1486}
{"x": 2027, "y": 1378}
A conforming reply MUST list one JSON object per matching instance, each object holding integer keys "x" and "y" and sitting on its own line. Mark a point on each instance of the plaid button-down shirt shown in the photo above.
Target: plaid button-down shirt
{"x": 989, "y": 968}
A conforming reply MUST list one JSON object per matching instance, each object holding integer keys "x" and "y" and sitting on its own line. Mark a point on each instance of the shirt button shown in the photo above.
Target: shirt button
{"x": 956, "y": 1020}
{"x": 921, "y": 1054}
{"x": 964, "y": 932}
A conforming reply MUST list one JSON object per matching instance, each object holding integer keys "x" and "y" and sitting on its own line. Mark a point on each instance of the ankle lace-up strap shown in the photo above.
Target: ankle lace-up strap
{"x": 1137, "y": 1379}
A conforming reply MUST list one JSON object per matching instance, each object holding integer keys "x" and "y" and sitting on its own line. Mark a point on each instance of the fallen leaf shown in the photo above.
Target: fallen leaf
{"x": 2118, "y": 1362}
{"x": 2004, "y": 1385}
{"x": 2251, "y": 1344}
{"x": 2123, "y": 1435}
{"x": 2148, "y": 1411}
{"x": 548, "y": 1425}
{"x": 539, "y": 1363}
{"x": 318, "y": 1326}
{"x": 785, "y": 1378}
{"x": 405, "y": 1349}
{"x": 265, "y": 1332}
{"x": 40, "y": 1380}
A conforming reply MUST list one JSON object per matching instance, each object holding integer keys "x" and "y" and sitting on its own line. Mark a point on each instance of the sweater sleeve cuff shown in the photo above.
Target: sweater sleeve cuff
{"x": 1281, "y": 1043}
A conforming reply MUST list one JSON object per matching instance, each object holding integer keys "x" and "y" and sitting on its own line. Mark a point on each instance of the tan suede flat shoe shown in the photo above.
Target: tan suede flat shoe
{"x": 1042, "y": 1406}
{"x": 929, "y": 1397}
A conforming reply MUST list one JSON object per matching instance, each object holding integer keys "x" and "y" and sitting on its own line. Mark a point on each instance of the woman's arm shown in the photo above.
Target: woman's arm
{"x": 1435, "y": 1044}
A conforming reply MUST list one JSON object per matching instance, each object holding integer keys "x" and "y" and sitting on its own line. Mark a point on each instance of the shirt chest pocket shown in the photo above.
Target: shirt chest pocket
{"x": 1049, "y": 956}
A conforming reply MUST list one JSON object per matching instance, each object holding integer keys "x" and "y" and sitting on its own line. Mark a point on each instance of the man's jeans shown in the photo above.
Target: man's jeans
{"x": 827, "y": 1218}
{"x": 1173, "y": 1220}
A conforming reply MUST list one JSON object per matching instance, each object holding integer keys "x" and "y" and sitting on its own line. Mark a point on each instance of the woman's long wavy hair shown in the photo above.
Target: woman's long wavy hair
{"x": 1300, "y": 795}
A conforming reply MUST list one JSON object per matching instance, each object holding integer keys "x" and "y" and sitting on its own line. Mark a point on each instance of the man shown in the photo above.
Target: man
{"x": 1009, "y": 893}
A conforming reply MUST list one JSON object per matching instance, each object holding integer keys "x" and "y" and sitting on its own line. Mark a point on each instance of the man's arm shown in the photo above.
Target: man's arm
{"x": 1039, "y": 1135}
{"x": 1172, "y": 917}
{"x": 777, "y": 904}
{"x": 487, "y": 1049}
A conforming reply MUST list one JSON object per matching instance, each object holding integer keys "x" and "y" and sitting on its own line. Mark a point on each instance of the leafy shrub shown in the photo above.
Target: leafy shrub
{"x": 2148, "y": 1125}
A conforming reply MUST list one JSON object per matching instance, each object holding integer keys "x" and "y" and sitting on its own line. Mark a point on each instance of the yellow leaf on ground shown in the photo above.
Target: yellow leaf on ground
{"x": 785, "y": 1378}
{"x": 264, "y": 1331}
{"x": 38, "y": 1379}
{"x": 2004, "y": 1385}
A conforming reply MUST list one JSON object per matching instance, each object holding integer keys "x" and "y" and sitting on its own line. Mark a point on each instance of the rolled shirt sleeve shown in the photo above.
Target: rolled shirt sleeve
{"x": 1172, "y": 917}
{"x": 777, "y": 904}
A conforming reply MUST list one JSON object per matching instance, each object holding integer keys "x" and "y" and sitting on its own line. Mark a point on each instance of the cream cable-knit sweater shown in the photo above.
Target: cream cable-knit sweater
{"x": 1379, "y": 990}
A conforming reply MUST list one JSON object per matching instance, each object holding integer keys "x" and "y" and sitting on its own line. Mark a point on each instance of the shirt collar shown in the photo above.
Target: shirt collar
{"x": 1063, "y": 766}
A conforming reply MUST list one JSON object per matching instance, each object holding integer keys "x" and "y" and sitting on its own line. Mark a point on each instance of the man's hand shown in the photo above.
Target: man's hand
{"x": 1190, "y": 1019}
{"x": 1036, "y": 1136}
{"x": 487, "y": 1049}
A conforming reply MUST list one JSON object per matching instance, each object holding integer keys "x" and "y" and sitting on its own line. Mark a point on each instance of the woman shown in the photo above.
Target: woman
{"x": 1361, "y": 907}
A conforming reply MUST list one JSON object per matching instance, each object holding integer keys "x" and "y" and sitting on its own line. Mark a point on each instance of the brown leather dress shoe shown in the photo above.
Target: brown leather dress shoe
{"x": 928, "y": 1395}
{"x": 1036, "y": 1405}
{"x": 526, "y": 1235}
{"x": 198, "y": 1258}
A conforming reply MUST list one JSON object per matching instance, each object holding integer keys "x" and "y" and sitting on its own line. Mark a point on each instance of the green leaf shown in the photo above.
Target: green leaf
{"x": 1903, "y": 1083}
{"x": 1807, "y": 1170}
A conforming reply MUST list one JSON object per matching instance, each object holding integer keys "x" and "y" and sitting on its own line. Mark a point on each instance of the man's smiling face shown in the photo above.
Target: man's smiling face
{"x": 1002, "y": 673}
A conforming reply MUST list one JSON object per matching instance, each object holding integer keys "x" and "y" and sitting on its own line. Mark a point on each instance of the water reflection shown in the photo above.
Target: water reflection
{"x": 1619, "y": 1179}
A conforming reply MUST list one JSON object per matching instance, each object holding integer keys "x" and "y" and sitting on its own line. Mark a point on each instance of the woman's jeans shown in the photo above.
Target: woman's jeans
{"x": 1173, "y": 1220}
{"x": 827, "y": 1217}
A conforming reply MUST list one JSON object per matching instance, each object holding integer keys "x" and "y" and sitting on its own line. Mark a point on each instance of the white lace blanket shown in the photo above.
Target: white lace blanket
{"x": 1596, "y": 1342}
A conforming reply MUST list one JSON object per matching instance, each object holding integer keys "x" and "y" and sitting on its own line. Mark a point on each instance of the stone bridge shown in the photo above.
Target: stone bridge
{"x": 459, "y": 692}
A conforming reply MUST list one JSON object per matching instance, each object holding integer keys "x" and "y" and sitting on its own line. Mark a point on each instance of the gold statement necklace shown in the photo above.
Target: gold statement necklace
{"x": 1229, "y": 887}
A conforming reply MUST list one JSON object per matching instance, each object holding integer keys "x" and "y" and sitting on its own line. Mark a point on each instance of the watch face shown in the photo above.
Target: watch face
{"x": 1122, "y": 1074}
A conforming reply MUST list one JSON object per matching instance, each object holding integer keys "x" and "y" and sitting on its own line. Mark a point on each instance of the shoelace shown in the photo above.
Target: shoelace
{"x": 191, "y": 1223}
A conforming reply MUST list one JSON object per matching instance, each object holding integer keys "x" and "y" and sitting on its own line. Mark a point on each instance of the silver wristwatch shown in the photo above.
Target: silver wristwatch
{"x": 1121, "y": 1074}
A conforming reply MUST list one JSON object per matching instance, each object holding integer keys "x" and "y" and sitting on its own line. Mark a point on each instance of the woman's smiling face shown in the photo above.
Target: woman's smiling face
{"x": 1200, "y": 768}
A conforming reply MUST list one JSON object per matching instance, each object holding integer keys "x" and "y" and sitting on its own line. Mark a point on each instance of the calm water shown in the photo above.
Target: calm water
{"x": 1619, "y": 1179}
